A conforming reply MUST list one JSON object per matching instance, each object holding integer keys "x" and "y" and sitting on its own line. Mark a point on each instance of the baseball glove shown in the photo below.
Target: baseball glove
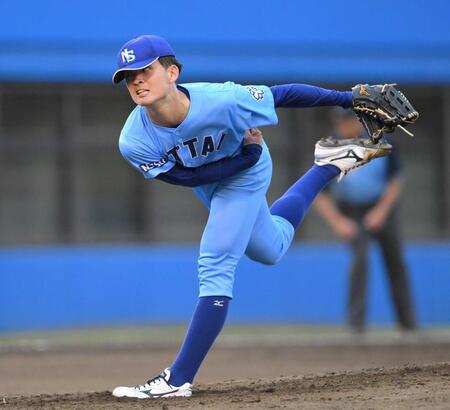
{"x": 382, "y": 108}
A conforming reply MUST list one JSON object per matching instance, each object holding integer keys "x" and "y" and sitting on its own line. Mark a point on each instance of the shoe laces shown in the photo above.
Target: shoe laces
{"x": 149, "y": 383}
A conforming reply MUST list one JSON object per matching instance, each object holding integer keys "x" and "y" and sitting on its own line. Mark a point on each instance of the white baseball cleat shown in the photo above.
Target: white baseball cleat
{"x": 349, "y": 154}
{"x": 155, "y": 388}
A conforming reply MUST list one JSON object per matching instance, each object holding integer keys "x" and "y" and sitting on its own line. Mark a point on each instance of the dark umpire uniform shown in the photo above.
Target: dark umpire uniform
{"x": 361, "y": 207}
{"x": 355, "y": 196}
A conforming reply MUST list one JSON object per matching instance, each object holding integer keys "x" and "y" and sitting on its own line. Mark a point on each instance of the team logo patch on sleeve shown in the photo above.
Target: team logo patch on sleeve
{"x": 257, "y": 94}
{"x": 151, "y": 165}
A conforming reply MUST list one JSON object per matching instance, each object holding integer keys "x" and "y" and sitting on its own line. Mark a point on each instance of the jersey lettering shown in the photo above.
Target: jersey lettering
{"x": 174, "y": 152}
{"x": 208, "y": 145}
{"x": 191, "y": 145}
{"x": 207, "y": 148}
{"x": 150, "y": 165}
{"x": 222, "y": 137}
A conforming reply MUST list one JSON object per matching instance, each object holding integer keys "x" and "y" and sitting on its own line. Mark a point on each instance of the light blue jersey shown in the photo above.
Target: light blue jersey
{"x": 239, "y": 220}
{"x": 214, "y": 128}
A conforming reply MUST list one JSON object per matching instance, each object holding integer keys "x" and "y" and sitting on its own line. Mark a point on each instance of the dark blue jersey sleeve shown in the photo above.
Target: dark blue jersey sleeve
{"x": 213, "y": 171}
{"x": 303, "y": 95}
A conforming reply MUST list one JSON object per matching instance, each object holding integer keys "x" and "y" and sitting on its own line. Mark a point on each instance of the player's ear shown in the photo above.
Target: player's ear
{"x": 173, "y": 73}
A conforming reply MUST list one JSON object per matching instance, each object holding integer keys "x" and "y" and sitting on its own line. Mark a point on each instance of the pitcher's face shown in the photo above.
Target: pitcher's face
{"x": 150, "y": 84}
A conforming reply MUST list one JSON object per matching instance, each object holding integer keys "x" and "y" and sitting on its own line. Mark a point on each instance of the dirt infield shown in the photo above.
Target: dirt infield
{"x": 400, "y": 388}
{"x": 281, "y": 370}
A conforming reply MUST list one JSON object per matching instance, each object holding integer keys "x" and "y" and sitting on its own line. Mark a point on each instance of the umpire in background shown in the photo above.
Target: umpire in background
{"x": 363, "y": 206}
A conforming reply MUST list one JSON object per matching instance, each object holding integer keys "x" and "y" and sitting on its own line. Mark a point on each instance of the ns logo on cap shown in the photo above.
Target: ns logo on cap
{"x": 128, "y": 55}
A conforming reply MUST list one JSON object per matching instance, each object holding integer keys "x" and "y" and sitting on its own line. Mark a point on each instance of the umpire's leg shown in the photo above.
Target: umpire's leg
{"x": 358, "y": 280}
{"x": 391, "y": 247}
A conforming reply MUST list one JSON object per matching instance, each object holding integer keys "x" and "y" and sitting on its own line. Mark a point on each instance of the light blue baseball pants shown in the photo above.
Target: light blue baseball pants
{"x": 239, "y": 222}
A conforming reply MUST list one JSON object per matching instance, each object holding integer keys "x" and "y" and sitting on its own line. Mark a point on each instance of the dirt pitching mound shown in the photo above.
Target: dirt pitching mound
{"x": 401, "y": 388}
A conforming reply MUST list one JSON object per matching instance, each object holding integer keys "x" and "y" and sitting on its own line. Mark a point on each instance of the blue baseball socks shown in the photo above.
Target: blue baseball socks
{"x": 207, "y": 322}
{"x": 295, "y": 202}
{"x": 210, "y": 314}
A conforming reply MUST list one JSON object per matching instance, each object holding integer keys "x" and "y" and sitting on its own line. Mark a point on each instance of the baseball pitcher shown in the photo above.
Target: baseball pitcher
{"x": 205, "y": 136}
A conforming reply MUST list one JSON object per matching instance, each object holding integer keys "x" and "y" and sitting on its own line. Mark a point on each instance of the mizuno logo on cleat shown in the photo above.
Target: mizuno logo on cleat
{"x": 160, "y": 394}
{"x": 218, "y": 303}
{"x": 350, "y": 154}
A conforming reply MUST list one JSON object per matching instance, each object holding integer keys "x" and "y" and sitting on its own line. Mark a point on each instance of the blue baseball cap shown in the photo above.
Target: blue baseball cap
{"x": 139, "y": 53}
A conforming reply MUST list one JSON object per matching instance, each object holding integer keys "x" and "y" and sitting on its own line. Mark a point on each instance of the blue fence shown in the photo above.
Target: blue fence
{"x": 63, "y": 287}
{"x": 285, "y": 40}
